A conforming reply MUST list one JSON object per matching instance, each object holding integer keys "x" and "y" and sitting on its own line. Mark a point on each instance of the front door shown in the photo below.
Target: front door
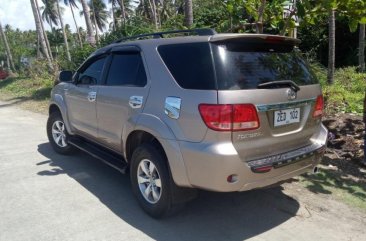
{"x": 81, "y": 98}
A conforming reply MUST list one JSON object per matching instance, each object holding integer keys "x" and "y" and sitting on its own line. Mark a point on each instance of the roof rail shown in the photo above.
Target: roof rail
{"x": 198, "y": 31}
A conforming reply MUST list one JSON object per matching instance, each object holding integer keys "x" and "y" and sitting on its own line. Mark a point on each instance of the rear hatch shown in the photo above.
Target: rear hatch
{"x": 266, "y": 77}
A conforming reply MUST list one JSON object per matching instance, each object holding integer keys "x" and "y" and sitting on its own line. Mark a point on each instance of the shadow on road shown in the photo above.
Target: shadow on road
{"x": 212, "y": 216}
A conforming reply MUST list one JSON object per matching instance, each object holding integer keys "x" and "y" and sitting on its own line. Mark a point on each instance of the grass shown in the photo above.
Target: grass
{"x": 347, "y": 93}
{"x": 342, "y": 187}
{"x": 30, "y": 93}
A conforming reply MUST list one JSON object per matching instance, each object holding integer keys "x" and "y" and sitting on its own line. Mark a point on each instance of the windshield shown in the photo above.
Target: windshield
{"x": 245, "y": 66}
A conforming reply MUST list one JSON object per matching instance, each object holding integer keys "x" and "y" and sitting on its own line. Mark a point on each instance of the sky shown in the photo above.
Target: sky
{"x": 18, "y": 14}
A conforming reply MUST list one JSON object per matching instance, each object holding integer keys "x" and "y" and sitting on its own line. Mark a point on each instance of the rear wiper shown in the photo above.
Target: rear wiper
{"x": 279, "y": 84}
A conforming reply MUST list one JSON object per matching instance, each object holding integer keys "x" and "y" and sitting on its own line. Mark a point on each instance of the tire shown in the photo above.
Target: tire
{"x": 149, "y": 172}
{"x": 58, "y": 135}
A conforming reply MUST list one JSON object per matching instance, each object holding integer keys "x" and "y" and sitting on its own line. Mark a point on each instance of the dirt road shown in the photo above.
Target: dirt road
{"x": 46, "y": 196}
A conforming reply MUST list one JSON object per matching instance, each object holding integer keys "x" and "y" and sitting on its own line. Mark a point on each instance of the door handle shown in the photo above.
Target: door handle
{"x": 135, "y": 102}
{"x": 92, "y": 96}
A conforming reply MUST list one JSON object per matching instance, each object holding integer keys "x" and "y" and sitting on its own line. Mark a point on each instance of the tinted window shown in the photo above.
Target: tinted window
{"x": 93, "y": 73}
{"x": 190, "y": 64}
{"x": 245, "y": 66}
{"x": 127, "y": 69}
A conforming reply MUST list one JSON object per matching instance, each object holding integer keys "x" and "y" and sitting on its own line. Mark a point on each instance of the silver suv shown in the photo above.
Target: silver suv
{"x": 220, "y": 112}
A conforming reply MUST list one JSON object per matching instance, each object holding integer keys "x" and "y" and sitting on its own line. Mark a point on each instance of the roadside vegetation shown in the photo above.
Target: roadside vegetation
{"x": 33, "y": 58}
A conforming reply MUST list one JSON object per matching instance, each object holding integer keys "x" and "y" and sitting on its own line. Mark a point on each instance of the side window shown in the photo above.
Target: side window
{"x": 127, "y": 69}
{"x": 190, "y": 65}
{"x": 92, "y": 74}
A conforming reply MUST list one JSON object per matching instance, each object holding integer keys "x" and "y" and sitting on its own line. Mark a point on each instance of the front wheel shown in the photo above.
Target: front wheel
{"x": 151, "y": 181}
{"x": 58, "y": 135}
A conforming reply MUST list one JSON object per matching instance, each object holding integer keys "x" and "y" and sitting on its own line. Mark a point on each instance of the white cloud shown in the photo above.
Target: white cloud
{"x": 18, "y": 14}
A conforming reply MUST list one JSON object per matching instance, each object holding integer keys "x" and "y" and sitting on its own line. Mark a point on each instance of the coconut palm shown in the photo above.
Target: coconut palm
{"x": 41, "y": 34}
{"x": 7, "y": 48}
{"x": 331, "y": 50}
{"x": 188, "y": 13}
{"x": 72, "y": 4}
{"x": 44, "y": 31}
{"x": 99, "y": 14}
{"x": 63, "y": 31}
{"x": 89, "y": 26}
{"x": 50, "y": 13}
{"x": 361, "y": 49}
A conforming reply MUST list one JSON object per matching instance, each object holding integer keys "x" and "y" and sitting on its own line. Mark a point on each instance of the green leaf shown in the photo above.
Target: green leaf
{"x": 300, "y": 10}
{"x": 363, "y": 20}
{"x": 353, "y": 24}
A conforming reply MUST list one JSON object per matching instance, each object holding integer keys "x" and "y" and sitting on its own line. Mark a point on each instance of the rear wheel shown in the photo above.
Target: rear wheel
{"x": 58, "y": 135}
{"x": 151, "y": 181}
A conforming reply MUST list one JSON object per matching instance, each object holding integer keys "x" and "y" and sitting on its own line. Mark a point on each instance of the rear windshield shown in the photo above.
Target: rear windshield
{"x": 230, "y": 66}
{"x": 245, "y": 66}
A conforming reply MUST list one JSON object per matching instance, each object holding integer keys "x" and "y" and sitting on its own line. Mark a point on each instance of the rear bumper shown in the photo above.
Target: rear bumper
{"x": 209, "y": 165}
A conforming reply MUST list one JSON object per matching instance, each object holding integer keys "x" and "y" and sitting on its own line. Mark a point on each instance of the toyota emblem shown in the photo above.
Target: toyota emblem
{"x": 291, "y": 94}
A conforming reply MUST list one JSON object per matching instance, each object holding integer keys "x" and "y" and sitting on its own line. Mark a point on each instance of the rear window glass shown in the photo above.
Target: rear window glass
{"x": 246, "y": 65}
{"x": 190, "y": 64}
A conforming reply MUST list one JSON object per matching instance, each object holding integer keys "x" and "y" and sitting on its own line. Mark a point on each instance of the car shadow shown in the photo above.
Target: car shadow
{"x": 212, "y": 216}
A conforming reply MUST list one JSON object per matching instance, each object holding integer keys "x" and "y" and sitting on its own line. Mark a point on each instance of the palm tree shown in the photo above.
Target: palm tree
{"x": 7, "y": 48}
{"x": 331, "y": 53}
{"x": 63, "y": 31}
{"x": 259, "y": 24}
{"x": 121, "y": 3}
{"x": 188, "y": 13}
{"x": 89, "y": 26}
{"x": 44, "y": 31}
{"x": 41, "y": 34}
{"x": 50, "y": 13}
{"x": 72, "y": 4}
{"x": 99, "y": 14}
{"x": 361, "y": 48}
{"x": 113, "y": 2}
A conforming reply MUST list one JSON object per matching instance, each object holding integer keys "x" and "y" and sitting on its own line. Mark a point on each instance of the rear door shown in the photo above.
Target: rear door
{"x": 122, "y": 96}
{"x": 275, "y": 79}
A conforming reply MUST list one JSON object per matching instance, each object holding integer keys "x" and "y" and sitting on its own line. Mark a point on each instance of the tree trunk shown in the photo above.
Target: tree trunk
{"x": 364, "y": 121}
{"x": 259, "y": 25}
{"x": 188, "y": 13}
{"x": 7, "y": 48}
{"x": 153, "y": 13}
{"x": 123, "y": 11}
{"x": 76, "y": 26}
{"x": 40, "y": 34}
{"x": 331, "y": 54}
{"x": 95, "y": 22}
{"x": 44, "y": 31}
{"x": 361, "y": 48}
{"x": 63, "y": 32}
{"x": 114, "y": 18}
{"x": 89, "y": 26}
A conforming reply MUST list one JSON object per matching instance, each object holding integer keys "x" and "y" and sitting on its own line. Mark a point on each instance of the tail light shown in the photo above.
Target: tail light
{"x": 239, "y": 117}
{"x": 319, "y": 106}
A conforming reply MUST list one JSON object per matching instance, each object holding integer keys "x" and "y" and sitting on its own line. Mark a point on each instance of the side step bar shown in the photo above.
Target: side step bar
{"x": 111, "y": 159}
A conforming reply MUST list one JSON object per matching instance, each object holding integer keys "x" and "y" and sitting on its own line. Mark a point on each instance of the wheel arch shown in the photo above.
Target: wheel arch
{"x": 60, "y": 108}
{"x": 169, "y": 147}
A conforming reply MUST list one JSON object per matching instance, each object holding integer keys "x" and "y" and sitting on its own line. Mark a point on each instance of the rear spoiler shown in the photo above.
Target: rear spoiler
{"x": 250, "y": 38}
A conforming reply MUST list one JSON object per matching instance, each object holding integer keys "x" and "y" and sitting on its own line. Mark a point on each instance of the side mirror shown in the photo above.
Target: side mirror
{"x": 65, "y": 76}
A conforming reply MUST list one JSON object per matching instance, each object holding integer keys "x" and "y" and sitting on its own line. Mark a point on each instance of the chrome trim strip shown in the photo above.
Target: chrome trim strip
{"x": 287, "y": 157}
{"x": 284, "y": 105}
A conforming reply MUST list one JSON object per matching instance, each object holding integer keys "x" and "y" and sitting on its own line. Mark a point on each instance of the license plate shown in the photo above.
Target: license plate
{"x": 285, "y": 117}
